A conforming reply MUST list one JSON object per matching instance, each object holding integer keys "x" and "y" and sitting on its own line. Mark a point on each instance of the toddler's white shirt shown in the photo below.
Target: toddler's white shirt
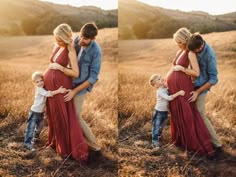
{"x": 163, "y": 99}
{"x": 40, "y": 98}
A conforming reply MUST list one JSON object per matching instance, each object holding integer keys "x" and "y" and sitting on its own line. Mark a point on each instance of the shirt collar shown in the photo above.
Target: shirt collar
{"x": 89, "y": 47}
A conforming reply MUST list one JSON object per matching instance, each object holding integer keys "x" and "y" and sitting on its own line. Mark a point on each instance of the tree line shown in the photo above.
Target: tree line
{"x": 165, "y": 27}
{"x": 45, "y": 23}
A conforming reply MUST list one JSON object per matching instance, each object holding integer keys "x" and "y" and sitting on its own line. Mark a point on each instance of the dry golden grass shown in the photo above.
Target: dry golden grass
{"x": 20, "y": 57}
{"x": 138, "y": 60}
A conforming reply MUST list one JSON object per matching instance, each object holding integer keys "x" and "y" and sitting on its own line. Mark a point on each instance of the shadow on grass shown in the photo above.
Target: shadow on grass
{"x": 17, "y": 161}
{"x": 176, "y": 162}
{"x": 172, "y": 161}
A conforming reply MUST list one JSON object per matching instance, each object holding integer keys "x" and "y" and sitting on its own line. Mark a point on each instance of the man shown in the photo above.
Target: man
{"x": 208, "y": 77}
{"x": 89, "y": 61}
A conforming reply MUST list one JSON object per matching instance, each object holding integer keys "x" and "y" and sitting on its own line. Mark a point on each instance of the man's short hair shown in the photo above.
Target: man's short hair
{"x": 89, "y": 30}
{"x": 195, "y": 42}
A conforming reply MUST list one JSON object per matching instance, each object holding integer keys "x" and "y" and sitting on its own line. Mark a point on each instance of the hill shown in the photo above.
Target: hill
{"x": 33, "y": 17}
{"x": 141, "y": 21}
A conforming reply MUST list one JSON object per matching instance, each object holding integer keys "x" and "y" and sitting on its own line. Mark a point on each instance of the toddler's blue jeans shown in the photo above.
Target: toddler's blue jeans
{"x": 159, "y": 120}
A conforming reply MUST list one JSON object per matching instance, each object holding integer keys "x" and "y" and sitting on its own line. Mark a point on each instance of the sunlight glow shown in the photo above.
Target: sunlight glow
{"x": 103, "y": 4}
{"x": 213, "y": 7}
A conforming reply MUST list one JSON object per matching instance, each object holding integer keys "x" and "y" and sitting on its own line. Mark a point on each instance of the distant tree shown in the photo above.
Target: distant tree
{"x": 48, "y": 24}
{"x": 30, "y": 25}
{"x": 45, "y": 23}
{"x": 126, "y": 33}
{"x": 141, "y": 29}
{"x": 207, "y": 28}
{"x": 15, "y": 30}
{"x": 112, "y": 19}
{"x": 163, "y": 28}
{"x": 106, "y": 23}
{"x": 12, "y": 30}
{"x": 101, "y": 23}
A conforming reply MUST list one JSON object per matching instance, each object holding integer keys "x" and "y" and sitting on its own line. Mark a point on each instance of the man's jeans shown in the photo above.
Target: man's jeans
{"x": 159, "y": 120}
{"x": 34, "y": 126}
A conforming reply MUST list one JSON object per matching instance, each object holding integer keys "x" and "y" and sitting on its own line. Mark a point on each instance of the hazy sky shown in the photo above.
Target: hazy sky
{"x": 213, "y": 7}
{"x": 103, "y": 4}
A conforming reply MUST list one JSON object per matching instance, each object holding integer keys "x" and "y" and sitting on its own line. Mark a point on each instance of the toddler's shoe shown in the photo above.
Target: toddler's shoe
{"x": 29, "y": 147}
{"x": 156, "y": 146}
{"x": 34, "y": 140}
{"x": 156, "y": 149}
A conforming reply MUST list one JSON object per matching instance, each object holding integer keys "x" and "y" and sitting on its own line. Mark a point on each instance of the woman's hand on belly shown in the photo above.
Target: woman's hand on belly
{"x": 55, "y": 66}
{"x": 178, "y": 68}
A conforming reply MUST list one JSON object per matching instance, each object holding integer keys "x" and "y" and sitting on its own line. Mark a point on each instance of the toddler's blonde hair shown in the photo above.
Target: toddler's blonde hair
{"x": 154, "y": 78}
{"x": 37, "y": 75}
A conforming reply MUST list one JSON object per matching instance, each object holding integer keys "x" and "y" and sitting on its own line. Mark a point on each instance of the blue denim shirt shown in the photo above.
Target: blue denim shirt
{"x": 208, "y": 67}
{"x": 89, "y": 65}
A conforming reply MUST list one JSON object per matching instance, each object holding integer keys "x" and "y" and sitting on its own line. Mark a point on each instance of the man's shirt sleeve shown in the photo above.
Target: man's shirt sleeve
{"x": 212, "y": 71}
{"x": 95, "y": 68}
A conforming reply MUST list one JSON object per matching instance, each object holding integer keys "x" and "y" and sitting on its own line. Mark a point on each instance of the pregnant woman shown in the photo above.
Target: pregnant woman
{"x": 65, "y": 134}
{"x": 187, "y": 127}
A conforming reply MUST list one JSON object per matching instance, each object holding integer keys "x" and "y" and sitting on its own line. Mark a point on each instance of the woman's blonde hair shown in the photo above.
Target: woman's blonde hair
{"x": 37, "y": 75}
{"x": 64, "y": 31}
{"x": 182, "y": 35}
{"x": 154, "y": 78}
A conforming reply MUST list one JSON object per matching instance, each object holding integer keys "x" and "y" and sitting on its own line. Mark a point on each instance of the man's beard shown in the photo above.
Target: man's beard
{"x": 82, "y": 44}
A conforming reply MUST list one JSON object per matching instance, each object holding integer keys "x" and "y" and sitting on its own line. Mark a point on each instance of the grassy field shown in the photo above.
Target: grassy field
{"x": 20, "y": 57}
{"x": 122, "y": 90}
{"x": 138, "y": 60}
